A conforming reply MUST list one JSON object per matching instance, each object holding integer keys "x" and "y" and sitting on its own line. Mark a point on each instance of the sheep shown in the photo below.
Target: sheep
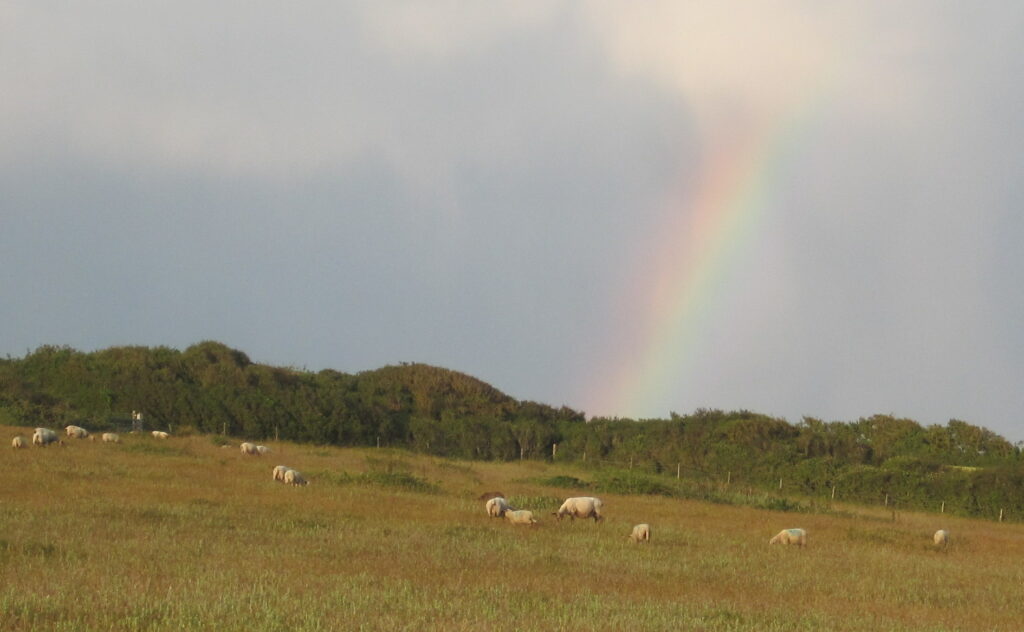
{"x": 110, "y": 437}
{"x": 261, "y": 450}
{"x": 279, "y": 472}
{"x": 941, "y": 538}
{"x": 249, "y": 448}
{"x": 44, "y": 436}
{"x": 496, "y": 507}
{"x": 790, "y": 536}
{"x": 76, "y": 432}
{"x": 641, "y": 533}
{"x": 19, "y": 442}
{"x": 484, "y": 497}
{"x": 520, "y": 516}
{"x": 160, "y": 434}
{"x": 581, "y": 507}
{"x": 294, "y": 477}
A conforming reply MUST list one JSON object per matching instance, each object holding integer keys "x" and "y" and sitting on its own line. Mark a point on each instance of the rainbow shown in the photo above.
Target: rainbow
{"x": 698, "y": 243}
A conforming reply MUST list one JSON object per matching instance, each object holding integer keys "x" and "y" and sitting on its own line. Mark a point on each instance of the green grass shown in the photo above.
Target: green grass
{"x": 186, "y": 535}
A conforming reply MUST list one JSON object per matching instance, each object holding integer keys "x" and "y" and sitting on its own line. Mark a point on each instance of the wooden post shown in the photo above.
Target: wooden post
{"x": 1000, "y": 515}
{"x": 943, "y": 509}
{"x": 224, "y": 430}
{"x": 630, "y": 462}
{"x": 584, "y": 456}
{"x": 833, "y": 492}
{"x": 678, "y": 468}
{"x": 728, "y": 478}
{"x": 378, "y": 441}
{"x": 554, "y": 450}
{"x": 887, "y": 500}
{"x": 277, "y": 433}
{"x": 780, "y": 483}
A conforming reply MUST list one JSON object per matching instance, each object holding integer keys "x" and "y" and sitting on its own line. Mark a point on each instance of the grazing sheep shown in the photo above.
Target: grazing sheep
{"x": 294, "y": 477}
{"x": 19, "y": 442}
{"x": 44, "y": 436}
{"x": 520, "y": 516}
{"x": 496, "y": 507}
{"x": 160, "y": 434}
{"x": 249, "y": 448}
{"x": 279, "y": 472}
{"x": 76, "y": 432}
{"x": 262, "y": 450}
{"x": 641, "y": 533}
{"x": 941, "y": 538}
{"x": 581, "y": 507}
{"x": 790, "y": 536}
{"x": 110, "y": 437}
{"x": 484, "y": 497}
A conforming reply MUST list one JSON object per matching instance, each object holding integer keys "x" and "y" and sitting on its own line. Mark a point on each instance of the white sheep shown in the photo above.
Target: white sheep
{"x": 520, "y": 516}
{"x": 76, "y": 432}
{"x": 581, "y": 507}
{"x": 44, "y": 436}
{"x": 941, "y": 538}
{"x": 160, "y": 434}
{"x": 496, "y": 507}
{"x": 641, "y": 533}
{"x": 111, "y": 437}
{"x": 294, "y": 477}
{"x": 249, "y": 448}
{"x": 262, "y": 450}
{"x": 19, "y": 442}
{"x": 790, "y": 536}
{"x": 279, "y": 472}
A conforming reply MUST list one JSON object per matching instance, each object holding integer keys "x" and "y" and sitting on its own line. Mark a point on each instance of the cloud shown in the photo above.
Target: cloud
{"x": 350, "y": 184}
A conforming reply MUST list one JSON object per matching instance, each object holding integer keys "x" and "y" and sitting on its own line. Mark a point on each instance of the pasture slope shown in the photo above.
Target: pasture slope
{"x": 186, "y": 535}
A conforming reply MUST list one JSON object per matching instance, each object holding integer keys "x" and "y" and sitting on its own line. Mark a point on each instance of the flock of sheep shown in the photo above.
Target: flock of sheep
{"x": 43, "y": 437}
{"x": 281, "y": 473}
{"x": 496, "y": 505}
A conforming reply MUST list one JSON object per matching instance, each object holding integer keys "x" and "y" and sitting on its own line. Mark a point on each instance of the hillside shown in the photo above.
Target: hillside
{"x": 211, "y": 388}
{"x": 184, "y": 534}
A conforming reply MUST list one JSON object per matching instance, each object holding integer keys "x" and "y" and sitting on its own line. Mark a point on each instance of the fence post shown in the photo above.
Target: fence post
{"x": 554, "y": 450}
{"x": 780, "y": 483}
{"x": 728, "y": 477}
{"x": 833, "y": 492}
{"x": 887, "y": 500}
{"x": 630, "y": 462}
{"x": 1000, "y": 515}
{"x": 943, "y": 509}
{"x": 277, "y": 433}
{"x": 378, "y": 441}
{"x": 584, "y": 456}
{"x": 678, "y": 468}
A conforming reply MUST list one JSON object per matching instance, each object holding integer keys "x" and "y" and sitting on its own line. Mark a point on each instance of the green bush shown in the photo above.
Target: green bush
{"x": 627, "y": 482}
{"x": 564, "y": 481}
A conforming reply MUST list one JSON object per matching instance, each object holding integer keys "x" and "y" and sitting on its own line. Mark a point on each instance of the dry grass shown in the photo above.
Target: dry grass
{"x": 184, "y": 535}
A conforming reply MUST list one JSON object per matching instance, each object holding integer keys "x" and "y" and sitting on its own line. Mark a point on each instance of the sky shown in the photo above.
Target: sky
{"x": 631, "y": 209}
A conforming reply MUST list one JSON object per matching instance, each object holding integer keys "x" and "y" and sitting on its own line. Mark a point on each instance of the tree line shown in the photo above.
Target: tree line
{"x": 212, "y": 388}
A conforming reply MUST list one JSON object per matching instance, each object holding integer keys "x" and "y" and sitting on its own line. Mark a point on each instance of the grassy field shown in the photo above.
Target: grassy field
{"x": 186, "y": 535}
